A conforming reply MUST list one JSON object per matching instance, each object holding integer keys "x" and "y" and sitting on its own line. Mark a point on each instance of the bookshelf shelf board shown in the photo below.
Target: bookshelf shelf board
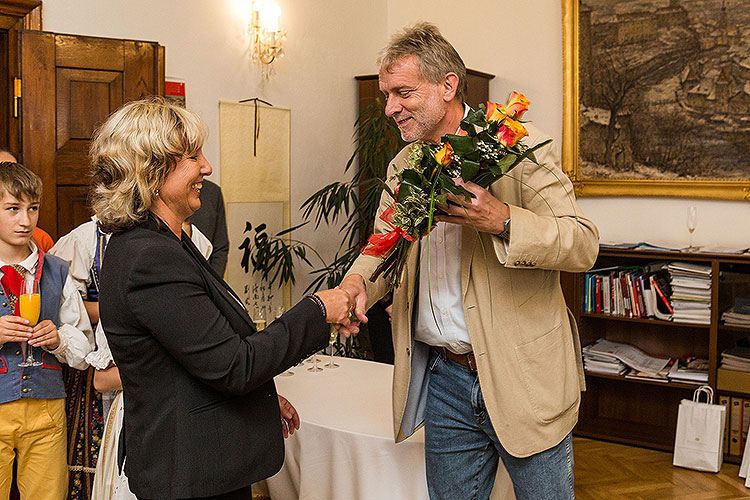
{"x": 623, "y": 431}
{"x": 730, "y": 328}
{"x": 644, "y": 412}
{"x": 651, "y": 321}
{"x": 672, "y": 384}
{"x": 732, "y": 459}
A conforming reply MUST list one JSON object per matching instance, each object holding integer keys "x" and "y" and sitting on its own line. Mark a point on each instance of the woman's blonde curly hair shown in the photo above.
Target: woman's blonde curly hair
{"x": 131, "y": 155}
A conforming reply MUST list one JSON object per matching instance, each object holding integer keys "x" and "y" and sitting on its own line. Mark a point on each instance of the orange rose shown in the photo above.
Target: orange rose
{"x": 444, "y": 155}
{"x": 495, "y": 112}
{"x": 517, "y": 105}
{"x": 511, "y": 132}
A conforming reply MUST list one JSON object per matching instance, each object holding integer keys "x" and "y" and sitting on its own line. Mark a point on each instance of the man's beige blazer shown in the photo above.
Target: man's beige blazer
{"x": 525, "y": 340}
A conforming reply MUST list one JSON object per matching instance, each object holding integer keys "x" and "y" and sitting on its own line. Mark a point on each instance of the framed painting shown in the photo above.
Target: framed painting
{"x": 657, "y": 97}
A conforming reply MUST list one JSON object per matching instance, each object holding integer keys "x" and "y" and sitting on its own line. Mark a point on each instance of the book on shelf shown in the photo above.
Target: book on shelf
{"x": 676, "y": 291}
{"x": 690, "y": 369}
{"x": 630, "y": 291}
{"x": 735, "y": 429}
{"x": 724, "y": 401}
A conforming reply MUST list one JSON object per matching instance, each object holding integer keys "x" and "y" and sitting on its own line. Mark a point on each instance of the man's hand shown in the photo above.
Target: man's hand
{"x": 354, "y": 285}
{"x": 339, "y": 305}
{"x": 484, "y": 212}
{"x": 14, "y": 329}
{"x": 45, "y": 334}
{"x": 289, "y": 417}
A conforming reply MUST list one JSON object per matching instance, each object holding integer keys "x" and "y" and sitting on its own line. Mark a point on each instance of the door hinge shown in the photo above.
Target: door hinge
{"x": 16, "y": 97}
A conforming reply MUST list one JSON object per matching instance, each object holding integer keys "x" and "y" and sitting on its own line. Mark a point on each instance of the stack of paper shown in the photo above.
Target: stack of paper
{"x": 739, "y": 315}
{"x": 606, "y": 356}
{"x": 690, "y": 369}
{"x": 736, "y": 358}
{"x": 691, "y": 292}
{"x": 731, "y": 318}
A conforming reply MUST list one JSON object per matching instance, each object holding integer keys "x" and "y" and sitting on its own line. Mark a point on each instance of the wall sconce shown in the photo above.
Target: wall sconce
{"x": 266, "y": 35}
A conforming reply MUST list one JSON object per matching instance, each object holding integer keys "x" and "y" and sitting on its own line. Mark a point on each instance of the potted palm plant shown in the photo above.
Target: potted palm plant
{"x": 351, "y": 205}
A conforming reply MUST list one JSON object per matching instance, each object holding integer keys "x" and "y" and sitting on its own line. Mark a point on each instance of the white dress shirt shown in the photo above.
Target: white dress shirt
{"x": 74, "y": 328}
{"x": 440, "y": 319}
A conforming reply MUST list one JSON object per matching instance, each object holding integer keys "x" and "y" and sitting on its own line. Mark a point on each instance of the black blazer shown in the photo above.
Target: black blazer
{"x": 201, "y": 412}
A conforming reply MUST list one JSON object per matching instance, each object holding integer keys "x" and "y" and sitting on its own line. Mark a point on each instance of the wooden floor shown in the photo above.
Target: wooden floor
{"x": 607, "y": 471}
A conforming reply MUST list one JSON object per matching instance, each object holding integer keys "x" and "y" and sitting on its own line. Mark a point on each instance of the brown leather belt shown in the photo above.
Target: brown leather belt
{"x": 466, "y": 359}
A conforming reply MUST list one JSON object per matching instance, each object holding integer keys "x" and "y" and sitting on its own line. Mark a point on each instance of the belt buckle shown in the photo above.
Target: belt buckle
{"x": 442, "y": 352}
{"x": 471, "y": 362}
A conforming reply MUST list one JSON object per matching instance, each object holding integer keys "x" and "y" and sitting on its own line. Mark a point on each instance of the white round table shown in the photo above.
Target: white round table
{"x": 344, "y": 449}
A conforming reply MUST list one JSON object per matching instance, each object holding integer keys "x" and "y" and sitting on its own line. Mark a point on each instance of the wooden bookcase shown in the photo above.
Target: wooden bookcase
{"x": 644, "y": 412}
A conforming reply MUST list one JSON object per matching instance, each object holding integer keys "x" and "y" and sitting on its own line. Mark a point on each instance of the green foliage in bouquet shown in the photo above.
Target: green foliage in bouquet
{"x": 487, "y": 147}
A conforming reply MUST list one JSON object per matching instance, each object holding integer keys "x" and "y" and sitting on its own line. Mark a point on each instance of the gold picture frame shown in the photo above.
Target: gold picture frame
{"x": 699, "y": 187}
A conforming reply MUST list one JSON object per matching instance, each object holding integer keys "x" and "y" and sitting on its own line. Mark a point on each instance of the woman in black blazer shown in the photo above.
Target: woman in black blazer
{"x": 201, "y": 412}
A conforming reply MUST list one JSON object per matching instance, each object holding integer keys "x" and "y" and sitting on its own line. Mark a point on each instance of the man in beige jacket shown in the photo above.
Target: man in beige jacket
{"x": 489, "y": 359}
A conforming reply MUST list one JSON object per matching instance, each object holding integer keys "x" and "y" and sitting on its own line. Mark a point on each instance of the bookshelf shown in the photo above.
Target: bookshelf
{"x": 644, "y": 412}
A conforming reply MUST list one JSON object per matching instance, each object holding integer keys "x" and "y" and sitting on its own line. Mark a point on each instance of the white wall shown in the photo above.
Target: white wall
{"x": 521, "y": 43}
{"x": 330, "y": 42}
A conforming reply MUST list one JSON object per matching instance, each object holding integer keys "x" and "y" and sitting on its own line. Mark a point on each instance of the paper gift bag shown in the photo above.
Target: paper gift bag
{"x": 700, "y": 433}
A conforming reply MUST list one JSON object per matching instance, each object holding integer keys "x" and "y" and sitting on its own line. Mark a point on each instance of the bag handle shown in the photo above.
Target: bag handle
{"x": 704, "y": 389}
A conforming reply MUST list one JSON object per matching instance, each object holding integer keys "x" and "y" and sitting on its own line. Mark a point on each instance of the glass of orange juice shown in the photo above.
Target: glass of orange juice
{"x": 29, "y": 303}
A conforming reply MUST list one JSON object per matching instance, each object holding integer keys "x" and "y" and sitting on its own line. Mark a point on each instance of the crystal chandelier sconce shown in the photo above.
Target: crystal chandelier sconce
{"x": 267, "y": 37}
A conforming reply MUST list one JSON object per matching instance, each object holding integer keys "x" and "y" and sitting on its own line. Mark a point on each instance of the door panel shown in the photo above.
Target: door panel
{"x": 91, "y": 78}
{"x": 85, "y": 98}
{"x": 73, "y": 206}
{"x": 38, "y": 118}
{"x": 73, "y": 51}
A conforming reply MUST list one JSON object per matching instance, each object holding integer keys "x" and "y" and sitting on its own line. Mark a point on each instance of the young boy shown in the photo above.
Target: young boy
{"x": 32, "y": 398}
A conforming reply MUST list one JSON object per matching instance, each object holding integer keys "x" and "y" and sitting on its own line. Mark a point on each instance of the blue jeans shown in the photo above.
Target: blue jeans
{"x": 462, "y": 449}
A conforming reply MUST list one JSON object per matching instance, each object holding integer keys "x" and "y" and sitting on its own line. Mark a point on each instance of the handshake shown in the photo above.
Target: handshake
{"x": 346, "y": 305}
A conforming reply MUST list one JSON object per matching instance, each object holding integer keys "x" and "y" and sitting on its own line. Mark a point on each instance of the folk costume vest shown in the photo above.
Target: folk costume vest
{"x": 45, "y": 381}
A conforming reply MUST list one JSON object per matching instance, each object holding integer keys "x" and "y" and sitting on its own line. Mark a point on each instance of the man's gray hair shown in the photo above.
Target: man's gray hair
{"x": 436, "y": 55}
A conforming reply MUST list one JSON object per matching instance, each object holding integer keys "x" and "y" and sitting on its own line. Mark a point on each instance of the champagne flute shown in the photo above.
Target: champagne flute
{"x": 28, "y": 307}
{"x": 692, "y": 222}
{"x": 279, "y": 312}
{"x": 331, "y": 341}
{"x": 315, "y": 367}
{"x": 259, "y": 318}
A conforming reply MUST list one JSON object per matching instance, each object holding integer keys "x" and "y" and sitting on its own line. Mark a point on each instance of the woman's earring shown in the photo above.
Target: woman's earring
{"x": 157, "y": 193}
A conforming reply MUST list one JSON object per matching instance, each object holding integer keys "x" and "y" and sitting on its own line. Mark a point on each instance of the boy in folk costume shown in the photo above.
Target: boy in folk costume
{"x": 32, "y": 398}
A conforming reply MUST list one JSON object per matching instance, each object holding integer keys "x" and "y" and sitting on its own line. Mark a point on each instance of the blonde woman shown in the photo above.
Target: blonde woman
{"x": 202, "y": 416}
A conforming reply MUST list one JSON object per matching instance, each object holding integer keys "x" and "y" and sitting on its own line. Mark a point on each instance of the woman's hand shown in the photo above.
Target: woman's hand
{"x": 289, "y": 417}
{"x": 339, "y": 305}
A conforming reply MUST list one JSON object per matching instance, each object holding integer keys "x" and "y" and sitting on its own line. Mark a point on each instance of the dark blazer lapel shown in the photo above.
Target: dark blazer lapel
{"x": 216, "y": 281}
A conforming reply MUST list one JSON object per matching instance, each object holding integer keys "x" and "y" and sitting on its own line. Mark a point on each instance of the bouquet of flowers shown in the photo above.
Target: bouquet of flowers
{"x": 486, "y": 148}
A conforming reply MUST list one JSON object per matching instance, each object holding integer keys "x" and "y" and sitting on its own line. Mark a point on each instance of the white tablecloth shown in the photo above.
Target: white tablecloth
{"x": 344, "y": 449}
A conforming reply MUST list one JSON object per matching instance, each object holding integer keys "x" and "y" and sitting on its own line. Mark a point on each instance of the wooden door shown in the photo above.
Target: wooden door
{"x": 15, "y": 15}
{"x": 70, "y": 84}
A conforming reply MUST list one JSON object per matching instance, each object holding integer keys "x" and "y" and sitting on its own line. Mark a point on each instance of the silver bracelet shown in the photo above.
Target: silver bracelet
{"x": 320, "y": 304}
